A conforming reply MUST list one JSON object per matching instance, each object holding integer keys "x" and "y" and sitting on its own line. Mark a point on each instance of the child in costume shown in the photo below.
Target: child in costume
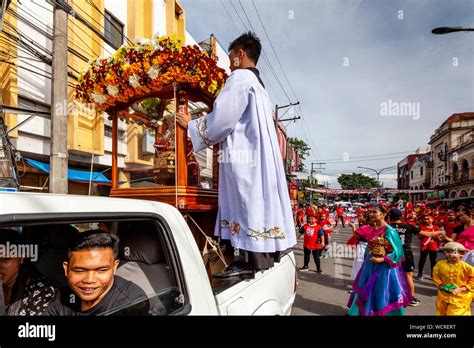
{"x": 381, "y": 286}
{"x": 455, "y": 282}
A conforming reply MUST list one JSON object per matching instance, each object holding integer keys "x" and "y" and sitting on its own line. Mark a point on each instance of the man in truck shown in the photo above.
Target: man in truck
{"x": 254, "y": 203}
{"x": 93, "y": 286}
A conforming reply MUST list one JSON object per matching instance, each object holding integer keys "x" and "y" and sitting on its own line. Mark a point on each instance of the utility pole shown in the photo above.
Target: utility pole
{"x": 318, "y": 170}
{"x": 283, "y": 107}
{"x": 59, "y": 153}
{"x": 286, "y": 164}
{"x": 378, "y": 172}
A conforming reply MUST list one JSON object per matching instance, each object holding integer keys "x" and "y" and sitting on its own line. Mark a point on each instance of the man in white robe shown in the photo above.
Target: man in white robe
{"x": 254, "y": 205}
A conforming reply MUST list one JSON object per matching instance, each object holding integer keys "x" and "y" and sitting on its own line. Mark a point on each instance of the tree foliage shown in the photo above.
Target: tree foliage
{"x": 300, "y": 147}
{"x": 356, "y": 181}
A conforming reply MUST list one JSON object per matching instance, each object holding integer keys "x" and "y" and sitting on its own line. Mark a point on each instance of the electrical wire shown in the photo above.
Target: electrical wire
{"x": 365, "y": 160}
{"x": 274, "y": 51}
{"x": 270, "y": 86}
{"x": 265, "y": 57}
{"x": 366, "y": 156}
{"x": 130, "y": 42}
{"x": 305, "y": 128}
{"x": 245, "y": 28}
{"x": 50, "y": 37}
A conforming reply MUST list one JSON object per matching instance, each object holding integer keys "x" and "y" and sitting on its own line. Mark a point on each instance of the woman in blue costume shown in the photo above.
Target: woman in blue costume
{"x": 381, "y": 286}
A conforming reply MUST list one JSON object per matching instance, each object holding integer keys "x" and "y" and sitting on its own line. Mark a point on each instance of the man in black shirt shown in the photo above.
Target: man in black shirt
{"x": 406, "y": 231}
{"x": 93, "y": 287}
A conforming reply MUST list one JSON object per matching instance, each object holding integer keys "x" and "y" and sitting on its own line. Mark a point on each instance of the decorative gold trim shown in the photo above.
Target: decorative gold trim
{"x": 272, "y": 233}
{"x": 201, "y": 126}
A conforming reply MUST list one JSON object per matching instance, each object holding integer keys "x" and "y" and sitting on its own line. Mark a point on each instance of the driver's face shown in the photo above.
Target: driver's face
{"x": 90, "y": 273}
{"x": 9, "y": 268}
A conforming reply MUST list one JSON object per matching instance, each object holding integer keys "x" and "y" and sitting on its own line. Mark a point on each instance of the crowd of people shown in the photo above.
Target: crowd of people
{"x": 384, "y": 265}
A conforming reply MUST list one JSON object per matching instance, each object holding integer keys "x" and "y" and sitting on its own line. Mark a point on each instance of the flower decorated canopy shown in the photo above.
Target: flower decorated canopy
{"x": 146, "y": 67}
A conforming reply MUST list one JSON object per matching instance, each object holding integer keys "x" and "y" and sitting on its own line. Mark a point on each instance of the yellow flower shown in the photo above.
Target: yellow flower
{"x": 212, "y": 86}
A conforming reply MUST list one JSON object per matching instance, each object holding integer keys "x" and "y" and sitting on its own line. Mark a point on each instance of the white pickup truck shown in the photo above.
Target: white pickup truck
{"x": 161, "y": 255}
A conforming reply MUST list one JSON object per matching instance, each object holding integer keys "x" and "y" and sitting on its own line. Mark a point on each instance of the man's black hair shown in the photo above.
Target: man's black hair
{"x": 10, "y": 236}
{"x": 94, "y": 239}
{"x": 250, "y": 43}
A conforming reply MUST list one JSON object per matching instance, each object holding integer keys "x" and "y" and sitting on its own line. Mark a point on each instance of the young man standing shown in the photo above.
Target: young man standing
{"x": 406, "y": 232}
{"x": 340, "y": 215}
{"x": 254, "y": 204}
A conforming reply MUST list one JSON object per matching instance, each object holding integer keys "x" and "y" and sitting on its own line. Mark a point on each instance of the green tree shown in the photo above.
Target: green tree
{"x": 356, "y": 181}
{"x": 302, "y": 149}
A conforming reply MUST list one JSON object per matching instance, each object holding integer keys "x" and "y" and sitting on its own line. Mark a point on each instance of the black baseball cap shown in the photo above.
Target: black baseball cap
{"x": 395, "y": 214}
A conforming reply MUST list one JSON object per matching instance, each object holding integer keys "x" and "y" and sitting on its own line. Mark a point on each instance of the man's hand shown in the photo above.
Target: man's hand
{"x": 183, "y": 119}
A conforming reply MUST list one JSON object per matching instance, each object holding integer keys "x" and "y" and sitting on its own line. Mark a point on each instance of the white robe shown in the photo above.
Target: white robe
{"x": 254, "y": 203}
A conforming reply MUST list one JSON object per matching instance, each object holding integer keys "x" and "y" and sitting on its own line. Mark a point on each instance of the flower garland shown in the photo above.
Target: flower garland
{"x": 146, "y": 66}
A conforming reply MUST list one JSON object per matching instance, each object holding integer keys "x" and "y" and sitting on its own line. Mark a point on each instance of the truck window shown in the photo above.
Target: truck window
{"x": 144, "y": 258}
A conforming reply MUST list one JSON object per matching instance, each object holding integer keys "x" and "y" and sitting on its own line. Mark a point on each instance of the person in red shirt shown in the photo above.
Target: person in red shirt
{"x": 438, "y": 218}
{"x": 340, "y": 215}
{"x": 409, "y": 207}
{"x": 310, "y": 210}
{"x": 450, "y": 224}
{"x": 430, "y": 236}
{"x": 294, "y": 210}
{"x": 300, "y": 217}
{"x": 326, "y": 211}
{"x": 325, "y": 224}
{"x": 313, "y": 243}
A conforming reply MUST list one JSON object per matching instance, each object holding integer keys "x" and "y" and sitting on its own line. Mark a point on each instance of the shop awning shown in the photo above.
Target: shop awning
{"x": 72, "y": 174}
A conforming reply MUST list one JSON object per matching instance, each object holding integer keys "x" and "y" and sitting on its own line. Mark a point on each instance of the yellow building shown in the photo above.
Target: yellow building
{"x": 95, "y": 29}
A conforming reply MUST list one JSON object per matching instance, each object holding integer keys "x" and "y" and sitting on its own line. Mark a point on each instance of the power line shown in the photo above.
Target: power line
{"x": 274, "y": 51}
{"x": 366, "y": 156}
{"x": 265, "y": 57}
{"x": 15, "y": 40}
{"x": 32, "y": 71}
{"x": 103, "y": 15}
{"x": 263, "y": 52}
{"x": 27, "y": 13}
{"x": 308, "y": 135}
{"x": 46, "y": 58}
{"x": 238, "y": 33}
{"x": 365, "y": 160}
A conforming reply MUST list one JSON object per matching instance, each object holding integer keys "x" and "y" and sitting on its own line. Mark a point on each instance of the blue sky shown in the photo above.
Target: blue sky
{"x": 344, "y": 59}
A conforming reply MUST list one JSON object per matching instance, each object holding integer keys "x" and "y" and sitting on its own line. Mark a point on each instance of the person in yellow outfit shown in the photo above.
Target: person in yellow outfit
{"x": 455, "y": 282}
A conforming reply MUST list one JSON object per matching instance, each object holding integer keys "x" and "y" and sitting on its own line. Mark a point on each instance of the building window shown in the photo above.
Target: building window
{"x": 421, "y": 171}
{"x": 108, "y": 133}
{"x": 113, "y": 30}
{"x": 440, "y": 175}
{"x": 411, "y": 175}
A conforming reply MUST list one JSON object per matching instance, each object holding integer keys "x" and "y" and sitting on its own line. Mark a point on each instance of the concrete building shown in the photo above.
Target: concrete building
{"x": 26, "y": 81}
{"x": 420, "y": 176}
{"x": 452, "y": 152}
{"x": 404, "y": 171}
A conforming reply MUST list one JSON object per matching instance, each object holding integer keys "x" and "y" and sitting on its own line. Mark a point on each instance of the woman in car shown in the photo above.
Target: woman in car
{"x": 25, "y": 290}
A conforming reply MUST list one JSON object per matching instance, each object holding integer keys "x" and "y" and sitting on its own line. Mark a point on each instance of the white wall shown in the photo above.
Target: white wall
{"x": 30, "y": 84}
{"x": 189, "y": 40}
{"x": 119, "y": 9}
{"x": 159, "y": 17}
{"x": 223, "y": 58}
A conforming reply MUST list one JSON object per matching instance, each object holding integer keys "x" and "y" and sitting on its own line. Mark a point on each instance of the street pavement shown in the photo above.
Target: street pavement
{"x": 328, "y": 293}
